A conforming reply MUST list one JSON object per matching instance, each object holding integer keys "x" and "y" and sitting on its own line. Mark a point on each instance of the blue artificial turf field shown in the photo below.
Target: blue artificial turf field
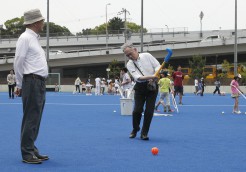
{"x": 83, "y": 133}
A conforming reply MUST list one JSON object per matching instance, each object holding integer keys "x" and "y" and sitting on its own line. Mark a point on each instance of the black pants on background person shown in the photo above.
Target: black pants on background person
{"x": 217, "y": 89}
{"x": 77, "y": 88}
{"x": 143, "y": 95}
{"x": 33, "y": 98}
{"x": 202, "y": 91}
{"x": 11, "y": 91}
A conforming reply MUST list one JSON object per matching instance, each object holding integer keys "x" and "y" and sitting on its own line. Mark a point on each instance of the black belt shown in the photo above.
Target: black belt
{"x": 32, "y": 75}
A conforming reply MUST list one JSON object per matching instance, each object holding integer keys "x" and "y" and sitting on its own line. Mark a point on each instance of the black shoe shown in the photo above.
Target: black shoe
{"x": 42, "y": 157}
{"x": 144, "y": 137}
{"x": 133, "y": 133}
{"x": 32, "y": 160}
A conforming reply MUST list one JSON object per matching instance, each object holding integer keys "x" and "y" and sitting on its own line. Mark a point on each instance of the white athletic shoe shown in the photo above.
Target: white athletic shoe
{"x": 237, "y": 112}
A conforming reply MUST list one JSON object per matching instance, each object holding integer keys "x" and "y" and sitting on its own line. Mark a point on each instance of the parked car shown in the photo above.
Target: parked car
{"x": 212, "y": 38}
{"x": 55, "y": 52}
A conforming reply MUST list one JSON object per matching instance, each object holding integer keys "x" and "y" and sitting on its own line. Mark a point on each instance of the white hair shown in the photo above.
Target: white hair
{"x": 127, "y": 45}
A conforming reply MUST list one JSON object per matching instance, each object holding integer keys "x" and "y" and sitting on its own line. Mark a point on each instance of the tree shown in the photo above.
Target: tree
{"x": 15, "y": 27}
{"x": 225, "y": 69}
{"x": 135, "y": 28}
{"x": 243, "y": 72}
{"x": 57, "y": 30}
{"x": 197, "y": 64}
{"x": 115, "y": 25}
{"x": 114, "y": 69}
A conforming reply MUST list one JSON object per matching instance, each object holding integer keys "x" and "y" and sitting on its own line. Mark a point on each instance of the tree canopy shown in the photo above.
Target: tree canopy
{"x": 115, "y": 26}
{"x": 15, "y": 27}
{"x": 197, "y": 64}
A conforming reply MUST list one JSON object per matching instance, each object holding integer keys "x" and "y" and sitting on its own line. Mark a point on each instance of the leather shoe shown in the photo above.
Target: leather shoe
{"x": 42, "y": 157}
{"x": 32, "y": 160}
{"x": 133, "y": 133}
{"x": 144, "y": 137}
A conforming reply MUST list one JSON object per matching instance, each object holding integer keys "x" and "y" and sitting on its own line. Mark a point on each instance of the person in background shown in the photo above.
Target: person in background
{"x": 217, "y": 86}
{"x": 178, "y": 78}
{"x": 142, "y": 67}
{"x": 11, "y": 83}
{"x": 117, "y": 84}
{"x": 103, "y": 86}
{"x": 111, "y": 88}
{"x": 77, "y": 83}
{"x": 203, "y": 85}
{"x": 57, "y": 89}
{"x": 126, "y": 81}
{"x": 97, "y": 86}
{"x": 83, "y": 87}
{"x": 199, "y": 88}
{"x": 196, "y": 85}
{"x": 31, "y": 70}
{"x": 165, "y": 86}
{"x": 235, "y": 93}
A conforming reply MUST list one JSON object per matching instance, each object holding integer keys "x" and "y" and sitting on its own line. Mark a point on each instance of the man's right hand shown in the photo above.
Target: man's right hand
{"x": 18, "y": 92}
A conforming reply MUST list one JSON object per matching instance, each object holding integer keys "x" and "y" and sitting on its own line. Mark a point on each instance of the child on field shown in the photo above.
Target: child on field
{"x": 164, "y": 85}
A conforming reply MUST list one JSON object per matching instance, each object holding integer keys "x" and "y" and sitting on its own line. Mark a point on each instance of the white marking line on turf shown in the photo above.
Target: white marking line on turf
{"x": 64, "y": 104}
{"x": 67, "y": 104}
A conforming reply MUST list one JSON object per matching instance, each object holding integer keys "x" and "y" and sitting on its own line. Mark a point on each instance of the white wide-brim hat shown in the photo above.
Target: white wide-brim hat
{"x": 32, "y": 16}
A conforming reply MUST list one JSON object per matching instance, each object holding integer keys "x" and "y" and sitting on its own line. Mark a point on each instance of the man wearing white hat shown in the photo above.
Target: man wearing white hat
{"x": 31, "y": 70}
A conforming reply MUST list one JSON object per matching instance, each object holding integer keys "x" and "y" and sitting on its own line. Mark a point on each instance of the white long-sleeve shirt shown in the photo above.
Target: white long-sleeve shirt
{"x": 146, "y": 63}
{"x": 29, "y": 57}
{"x": 11, "y": 79}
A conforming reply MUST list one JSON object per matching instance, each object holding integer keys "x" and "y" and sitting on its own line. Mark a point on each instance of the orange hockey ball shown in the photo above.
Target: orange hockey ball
{"x": 154, "y": 150}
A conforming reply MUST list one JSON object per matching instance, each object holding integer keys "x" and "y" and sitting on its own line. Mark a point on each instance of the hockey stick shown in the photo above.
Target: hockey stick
{"x": 239, "y": 92}
{"x": 174, "y": 103}
{"x": 166, "y": 59}
{"x": 121, "y": 92}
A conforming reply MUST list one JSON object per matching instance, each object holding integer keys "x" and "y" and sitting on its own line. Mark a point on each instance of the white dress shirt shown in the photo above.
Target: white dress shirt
{"x": 29, "y": 57}
{"x": 146, "y": 63}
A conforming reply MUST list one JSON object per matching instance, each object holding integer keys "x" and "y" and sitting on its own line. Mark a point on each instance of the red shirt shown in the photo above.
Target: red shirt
{"x": 178, "y": 78}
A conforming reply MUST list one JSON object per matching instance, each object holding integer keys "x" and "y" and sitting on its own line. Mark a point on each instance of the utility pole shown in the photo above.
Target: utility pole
{"x": 107, "y": 26}
{"x": 235, "y": 43}
{"x": 141, "y": 26}
{"x": 124, "y": 11}
{"x": 48, "y": 34}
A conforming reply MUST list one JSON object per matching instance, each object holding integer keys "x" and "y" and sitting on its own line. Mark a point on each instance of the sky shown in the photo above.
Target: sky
{"x": 158, "y": 14}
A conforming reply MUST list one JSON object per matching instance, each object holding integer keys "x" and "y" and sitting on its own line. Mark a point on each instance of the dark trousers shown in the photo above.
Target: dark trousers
{"x": 217, "y": 89}
{"x": 202, "y": 91}
{"x": 77, "y": 88}
{"x": 33, "y": 98}
{"x": 143, "y": 96}
{"x": 11, "y": 91}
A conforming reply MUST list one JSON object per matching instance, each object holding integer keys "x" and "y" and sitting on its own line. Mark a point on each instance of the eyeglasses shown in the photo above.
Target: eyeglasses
{"x": 129, "y": 54}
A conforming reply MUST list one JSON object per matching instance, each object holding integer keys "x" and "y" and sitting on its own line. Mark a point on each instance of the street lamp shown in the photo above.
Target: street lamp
{"x": 201, "y": 16}
{"x": 167, "y": 28}
{"x": 108, "y": 70}
{"x": 107, "y": 25}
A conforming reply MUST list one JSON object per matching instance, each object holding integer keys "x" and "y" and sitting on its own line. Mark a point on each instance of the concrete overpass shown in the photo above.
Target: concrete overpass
{"x": 90, "y": 50}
